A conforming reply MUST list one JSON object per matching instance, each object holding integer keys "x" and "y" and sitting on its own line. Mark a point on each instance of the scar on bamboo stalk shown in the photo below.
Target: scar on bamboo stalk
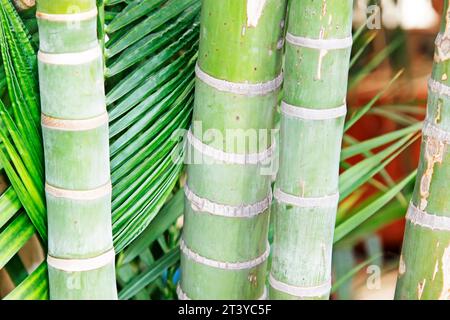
{"x": 442, "y": 51}
{"x": 434, "y": 153}
{"x": 254, "y": 12}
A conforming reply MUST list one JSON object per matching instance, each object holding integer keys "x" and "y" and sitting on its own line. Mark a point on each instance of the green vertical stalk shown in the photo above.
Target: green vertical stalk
{"x": 424, "y": 271}
{"x": 224, "y": 247}
{"x": 101, "y": 23}
{"x": 318, "y": 47}
{"x": 75, "y": 131}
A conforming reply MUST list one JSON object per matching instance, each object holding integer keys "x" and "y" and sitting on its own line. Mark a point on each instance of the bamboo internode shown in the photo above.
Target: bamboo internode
{"x": 427, "y": 220}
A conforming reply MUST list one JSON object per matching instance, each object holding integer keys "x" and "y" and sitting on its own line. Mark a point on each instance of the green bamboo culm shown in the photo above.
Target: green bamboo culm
{"x": 75, "y": 132}
{"x": 224, "y": 246}
{"x": 318, "y": 47}
{"x": 424, "y": 270}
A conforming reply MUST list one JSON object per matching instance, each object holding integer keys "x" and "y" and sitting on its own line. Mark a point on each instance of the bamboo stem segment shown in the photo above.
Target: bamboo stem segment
{"x": 224, "y": 247}
{"x": 318, "y": 47}
{"x": 75, "y": 130}
{"x": 424, "y": 271}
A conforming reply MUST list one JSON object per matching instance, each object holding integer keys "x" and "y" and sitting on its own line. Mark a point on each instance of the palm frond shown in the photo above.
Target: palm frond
{"x": 147, "y": 106}
{"x": 21, "y": 155}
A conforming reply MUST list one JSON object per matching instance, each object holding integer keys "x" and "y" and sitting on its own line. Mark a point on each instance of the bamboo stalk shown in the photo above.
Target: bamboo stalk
{"x": 224, "y": 247}
{"x": 75, "y": 131}
{"x": 318, "y": 50}
{"x": 424, "y": 271}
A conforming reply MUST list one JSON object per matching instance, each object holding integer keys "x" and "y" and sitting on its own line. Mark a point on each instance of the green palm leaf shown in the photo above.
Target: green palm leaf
{"x": 148, "y": 107}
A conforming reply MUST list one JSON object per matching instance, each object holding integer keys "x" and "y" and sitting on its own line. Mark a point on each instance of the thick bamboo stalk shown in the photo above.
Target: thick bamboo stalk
{"x": 224, "y": 248}
{"x": 313, "y": 112}
{"x": 424, "y": 271}
{"x": 75, "y": 130}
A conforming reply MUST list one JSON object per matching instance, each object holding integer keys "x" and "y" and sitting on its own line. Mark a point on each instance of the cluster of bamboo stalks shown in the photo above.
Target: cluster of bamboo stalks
{"x": 229, "y": 192}
{"x": 224, "y": 250}
{"x": 224, "y": 245}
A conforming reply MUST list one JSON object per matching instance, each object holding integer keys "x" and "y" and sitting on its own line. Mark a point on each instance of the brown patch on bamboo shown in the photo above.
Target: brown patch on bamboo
{"x": 434, "y": 153}
{"x": 437, "y": 119}
{"x": 253, "y": 279}
{"x": 324, "y": 8}
{"x": 443, "y": 42}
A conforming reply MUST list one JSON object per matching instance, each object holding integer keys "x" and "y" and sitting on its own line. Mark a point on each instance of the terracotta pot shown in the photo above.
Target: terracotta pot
{"x": 438, "y": 5}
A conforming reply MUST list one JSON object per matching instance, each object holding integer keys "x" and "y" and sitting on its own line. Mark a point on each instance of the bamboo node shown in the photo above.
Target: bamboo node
{"x": 313, "y": 114}
{"x": 70, "y": 59}
{"x": 183, "y": 296}
{"x": 245, "y": 89}
{"x": 435, "y": 132}
{"x": 79, "y": 194}
{"x": 438, "y": 87}
{"x": 310, "y": 202}
{"x": 250, "y": 264}
{"x": 442, "y": 47}
{"x": 80, "y": 265}
{"x": 301, "y": 292}
{"x": 230, "y": 158}
{"x": 74, "y": 125}
{"x": 319, "y": 44}
{"x": 73, "y": 17}
{"x": 424, "y": 219}
{"x": 243, "y": 211}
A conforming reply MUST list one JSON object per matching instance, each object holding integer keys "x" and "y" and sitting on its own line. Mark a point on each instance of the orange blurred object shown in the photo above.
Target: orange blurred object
{"x": 438, "y": 5}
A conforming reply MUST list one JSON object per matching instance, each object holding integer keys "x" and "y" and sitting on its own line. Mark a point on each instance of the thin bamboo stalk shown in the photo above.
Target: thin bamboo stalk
{"x": 224, "y": 248}
{"x": 75, "y": 131}
{"x": 318, "y": 50}
{"x": 424, "y": 271}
